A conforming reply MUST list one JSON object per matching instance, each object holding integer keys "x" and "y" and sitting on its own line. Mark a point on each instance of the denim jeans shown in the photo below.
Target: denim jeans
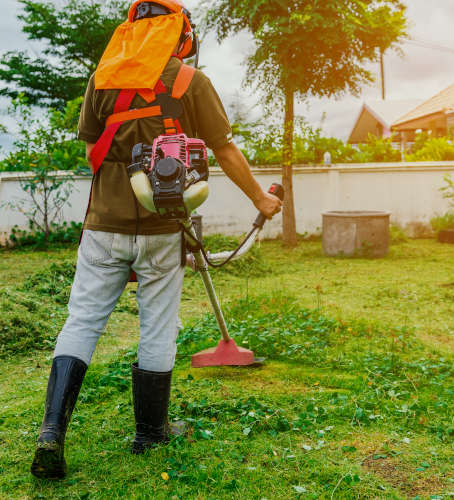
{"x": 103, "y": 269}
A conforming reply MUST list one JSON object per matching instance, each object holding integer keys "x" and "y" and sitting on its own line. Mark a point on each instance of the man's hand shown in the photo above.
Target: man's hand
{"x": 269, "y": 205}
{"x": 236, "y": 167}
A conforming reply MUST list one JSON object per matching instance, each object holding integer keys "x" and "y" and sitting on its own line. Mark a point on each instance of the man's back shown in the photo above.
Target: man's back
{"x": 113, "y": 207}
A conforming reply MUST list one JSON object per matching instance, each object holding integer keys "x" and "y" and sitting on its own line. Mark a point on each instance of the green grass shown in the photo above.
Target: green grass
{"x": 356, "y": 399}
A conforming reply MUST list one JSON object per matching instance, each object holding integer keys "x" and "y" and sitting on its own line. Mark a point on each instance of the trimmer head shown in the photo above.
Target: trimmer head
{"x": 225, "y": 354}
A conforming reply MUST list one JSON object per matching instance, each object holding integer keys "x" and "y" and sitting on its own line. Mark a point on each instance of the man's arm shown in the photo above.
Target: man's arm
{"x": 236, "y": 167}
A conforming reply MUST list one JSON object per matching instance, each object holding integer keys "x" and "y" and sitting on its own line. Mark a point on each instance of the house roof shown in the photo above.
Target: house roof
{"x": 438, "y": 104}
{"x": 379, "y": 112}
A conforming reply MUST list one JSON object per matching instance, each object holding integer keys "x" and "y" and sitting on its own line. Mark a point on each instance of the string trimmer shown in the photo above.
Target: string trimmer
{"x": 170, "y": 179}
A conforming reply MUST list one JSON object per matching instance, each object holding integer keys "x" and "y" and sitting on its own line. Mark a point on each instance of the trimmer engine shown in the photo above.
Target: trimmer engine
{"x": 170, "y": 178}
{"x": 173, "y": 164}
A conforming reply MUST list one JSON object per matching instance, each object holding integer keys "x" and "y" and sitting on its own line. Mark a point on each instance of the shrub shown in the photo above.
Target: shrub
{"x": 35, "y": 239}
{"x": 397, "y": 235}
{"x": 433, "y": 149}
{"x": 377, "y": 150}
{"x": 445, "y": 221}
{"x": 442, "y": 222}
{"x": 49, "y": 141}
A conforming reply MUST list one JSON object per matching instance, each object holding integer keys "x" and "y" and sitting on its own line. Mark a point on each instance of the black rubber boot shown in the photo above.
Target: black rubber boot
{"x": 151, "y": 392}
{"x": 65, "y": 380}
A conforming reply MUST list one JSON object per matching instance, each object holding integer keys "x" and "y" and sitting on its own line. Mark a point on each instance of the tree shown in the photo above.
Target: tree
{"x": 42, "y": 148}
{"x": 75, "y": 35}
{"x": 307, "y": 48}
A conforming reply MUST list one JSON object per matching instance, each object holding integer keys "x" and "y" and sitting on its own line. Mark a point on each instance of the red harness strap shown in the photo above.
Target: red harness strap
{"x": 121, "y": 109}
{"x": 104, "y": 143}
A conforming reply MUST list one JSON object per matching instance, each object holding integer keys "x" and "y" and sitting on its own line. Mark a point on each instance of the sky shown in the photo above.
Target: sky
{"x": 419, "y": 74}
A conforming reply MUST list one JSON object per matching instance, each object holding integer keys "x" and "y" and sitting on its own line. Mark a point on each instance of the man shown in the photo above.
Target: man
{"x": 141, "y": 69}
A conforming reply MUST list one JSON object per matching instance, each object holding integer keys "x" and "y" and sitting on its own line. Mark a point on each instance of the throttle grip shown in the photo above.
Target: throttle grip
{"x": 276, "y": 190}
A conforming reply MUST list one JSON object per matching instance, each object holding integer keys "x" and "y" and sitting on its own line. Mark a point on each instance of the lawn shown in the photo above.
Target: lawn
{"x": 355, "y": 399}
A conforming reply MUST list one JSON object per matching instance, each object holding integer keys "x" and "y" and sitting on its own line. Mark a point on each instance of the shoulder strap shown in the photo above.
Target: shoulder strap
{"x": 122, "y": 113}
{"x": 182, "y": 81}
{"x": 102, "y": 146}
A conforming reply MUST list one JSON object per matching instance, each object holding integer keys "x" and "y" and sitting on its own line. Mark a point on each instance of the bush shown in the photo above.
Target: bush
{"x": 443, "y": 222}
{"x": 428, "y": 148}
{"x": 35, "y": 239}
{"x": 377, "y": 150}
{"x": 397, "y": 235}
{"x": 262, "y": 144}
{"x": 49, "y": 141}
{"x": 311, "y": 147}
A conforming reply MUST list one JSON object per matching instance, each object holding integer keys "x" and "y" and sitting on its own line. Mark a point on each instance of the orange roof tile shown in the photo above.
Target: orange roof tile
{"x": 440, "y": 103}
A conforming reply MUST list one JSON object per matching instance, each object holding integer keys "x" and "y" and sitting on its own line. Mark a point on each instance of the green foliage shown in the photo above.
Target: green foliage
{"x": 310, "y": 147}
{"x": 271, "y": 325}
{"x": 446, "y": 221}
{"x": 74, "y": 35}
{"x": 372, "y": 419}
{"x": 442, "y": 222}
{"x": 53, "y": 281}
{"x": 304, "y": 49}
{"x": 397, "y": 235}
{"x": 448, "y": 189}
{"x": 31, "y": 315}
{"x": 252, "y": 264}
{"x": 316, "y": 48}
{"x": 262, "y": 144}
{"x": 428, "y": 148}
{"x": 44, "y": 147}
{"x": 45, "y": 143}
{"x": 26, "y": 324}
{"x": 35, "y": 239}
{"x": 376, "y": 150}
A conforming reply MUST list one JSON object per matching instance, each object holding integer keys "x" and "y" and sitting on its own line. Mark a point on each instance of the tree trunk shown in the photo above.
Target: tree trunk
{"x": 288, "y": 219}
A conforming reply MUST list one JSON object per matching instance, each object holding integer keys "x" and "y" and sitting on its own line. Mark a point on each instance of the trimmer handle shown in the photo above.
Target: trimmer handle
{"x": 276, "y": 190}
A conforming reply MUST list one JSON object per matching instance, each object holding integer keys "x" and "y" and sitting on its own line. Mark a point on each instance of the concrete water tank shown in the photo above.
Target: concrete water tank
{"x": 356, "y": 233}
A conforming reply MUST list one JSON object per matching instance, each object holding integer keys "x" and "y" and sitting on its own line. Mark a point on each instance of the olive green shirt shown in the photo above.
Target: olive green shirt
{"x": 113, "y": 206}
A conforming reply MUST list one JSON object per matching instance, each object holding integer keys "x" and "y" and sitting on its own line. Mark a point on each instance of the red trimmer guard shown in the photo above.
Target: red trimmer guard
{"x": 225, "y": 354}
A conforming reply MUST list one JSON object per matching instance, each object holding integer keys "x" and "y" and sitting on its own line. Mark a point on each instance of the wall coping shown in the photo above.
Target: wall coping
{"x": 23, "y": 176}
{"x": 440, "y": 166}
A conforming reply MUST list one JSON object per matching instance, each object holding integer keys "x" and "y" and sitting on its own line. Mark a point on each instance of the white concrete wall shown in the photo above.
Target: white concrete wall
{"x": 410, "y": 191}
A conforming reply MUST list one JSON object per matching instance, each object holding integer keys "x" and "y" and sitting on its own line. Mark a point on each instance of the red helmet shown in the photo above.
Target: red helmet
{"x": 189, "y": 42}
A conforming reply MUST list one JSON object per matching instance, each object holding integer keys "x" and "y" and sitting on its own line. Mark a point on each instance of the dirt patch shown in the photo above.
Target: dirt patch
{"x": 391, "y": 472}
{"x": 438, "y": 340}
{"x": 427, "y": 486}
{"x": 400, "y": 477}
